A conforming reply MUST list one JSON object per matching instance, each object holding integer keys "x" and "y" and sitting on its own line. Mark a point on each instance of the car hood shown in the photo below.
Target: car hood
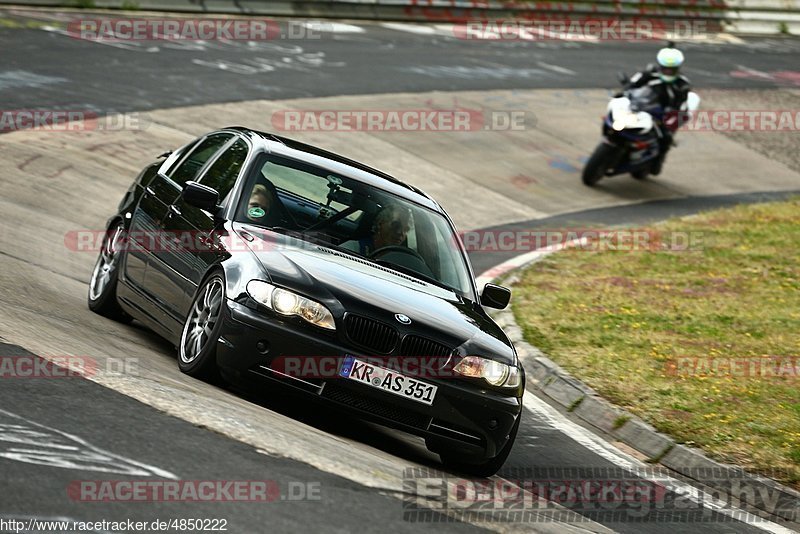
{"x": 347, "y": 283}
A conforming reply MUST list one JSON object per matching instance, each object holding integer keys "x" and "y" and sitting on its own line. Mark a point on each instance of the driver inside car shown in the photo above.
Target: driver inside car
{"x": 390, "y": 228}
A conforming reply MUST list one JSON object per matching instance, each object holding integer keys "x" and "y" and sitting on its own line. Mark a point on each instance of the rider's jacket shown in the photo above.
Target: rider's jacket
{"x": 671, "y": 94}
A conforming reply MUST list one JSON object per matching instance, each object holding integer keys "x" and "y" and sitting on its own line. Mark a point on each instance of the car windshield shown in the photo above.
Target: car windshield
{"x": 312, "y": 203}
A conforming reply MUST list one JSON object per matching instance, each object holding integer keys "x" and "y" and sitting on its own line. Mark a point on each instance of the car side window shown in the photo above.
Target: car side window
{"x": 222, "y": 174}
{"x": 202, "y": 152}
{"x": 169, "y": 164}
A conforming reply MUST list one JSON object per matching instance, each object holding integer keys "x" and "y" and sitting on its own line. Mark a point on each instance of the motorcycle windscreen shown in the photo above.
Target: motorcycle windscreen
{"x": 645, "y": 99}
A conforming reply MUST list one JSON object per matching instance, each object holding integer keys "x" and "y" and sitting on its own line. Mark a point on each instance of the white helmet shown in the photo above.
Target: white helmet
{"x": 669, "y": 63}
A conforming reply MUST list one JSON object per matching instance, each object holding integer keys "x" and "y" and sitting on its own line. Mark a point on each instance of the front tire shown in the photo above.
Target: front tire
{"x": 598, "y": 163}
{"x": 102, "y": 297}
{"x": 197, "y": 352}
{"x": 486, "y": 468}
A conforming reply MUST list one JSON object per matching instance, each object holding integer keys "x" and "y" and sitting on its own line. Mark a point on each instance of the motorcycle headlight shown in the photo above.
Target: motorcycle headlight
{"x": 623, "y": 119}
{"x": 495, "y": 373}
{"x": 287, "y": 302}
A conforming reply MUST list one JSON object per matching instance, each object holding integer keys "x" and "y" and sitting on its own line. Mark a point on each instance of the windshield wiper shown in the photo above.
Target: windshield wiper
{"x": 347, "y": 251}
{"x": 412, "y": 272}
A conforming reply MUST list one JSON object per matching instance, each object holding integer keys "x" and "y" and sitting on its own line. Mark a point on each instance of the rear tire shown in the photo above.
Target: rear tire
{"x": 102, "y": 297}
{"x": 598, "y": 163}
{"x": 488, "y": 467}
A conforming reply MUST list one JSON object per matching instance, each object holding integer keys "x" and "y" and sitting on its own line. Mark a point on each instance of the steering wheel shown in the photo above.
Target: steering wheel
{"x": 396, "y": 248}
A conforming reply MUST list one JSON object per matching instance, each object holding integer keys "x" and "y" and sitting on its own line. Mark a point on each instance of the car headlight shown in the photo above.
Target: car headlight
{"x": 286, "y": 302}
{"x": 495, "y": 373}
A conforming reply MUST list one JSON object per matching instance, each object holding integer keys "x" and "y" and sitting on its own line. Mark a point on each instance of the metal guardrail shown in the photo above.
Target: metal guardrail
{"x": 735, "y": 16}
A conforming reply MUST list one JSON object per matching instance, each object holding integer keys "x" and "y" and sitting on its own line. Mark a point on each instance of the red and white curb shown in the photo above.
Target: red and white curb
{"x": 522, "y": 260}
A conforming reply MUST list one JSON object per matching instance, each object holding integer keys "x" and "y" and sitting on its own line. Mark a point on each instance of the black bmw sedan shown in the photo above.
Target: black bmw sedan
{"x": 265, "y": 259}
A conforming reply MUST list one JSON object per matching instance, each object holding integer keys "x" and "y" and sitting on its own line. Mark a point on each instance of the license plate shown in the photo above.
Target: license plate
{"x": 388, "y": 380}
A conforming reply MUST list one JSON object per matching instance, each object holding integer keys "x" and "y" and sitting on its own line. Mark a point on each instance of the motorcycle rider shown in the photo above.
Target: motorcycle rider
{"x": 672, "y": 89}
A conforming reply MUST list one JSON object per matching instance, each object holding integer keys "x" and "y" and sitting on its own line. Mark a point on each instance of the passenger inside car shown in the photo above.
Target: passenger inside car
{"x": 264, "y": 206}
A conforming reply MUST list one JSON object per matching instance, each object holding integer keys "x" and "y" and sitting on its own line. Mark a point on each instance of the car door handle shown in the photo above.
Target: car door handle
{"x": 174, "y": 209}
{"x": 149, "y": 191}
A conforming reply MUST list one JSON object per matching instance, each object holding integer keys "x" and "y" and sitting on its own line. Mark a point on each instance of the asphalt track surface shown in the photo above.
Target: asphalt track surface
{"x": 63, "y": 72}
{"x": 309, "y": 499}
{"x": 54, "y": 71}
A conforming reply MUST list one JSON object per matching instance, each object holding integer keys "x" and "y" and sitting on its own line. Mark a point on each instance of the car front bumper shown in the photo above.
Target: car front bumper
{"x": 464, "y": 418}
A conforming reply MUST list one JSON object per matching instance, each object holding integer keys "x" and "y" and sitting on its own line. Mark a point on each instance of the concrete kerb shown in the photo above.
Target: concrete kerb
{"x": 547, "y": 379}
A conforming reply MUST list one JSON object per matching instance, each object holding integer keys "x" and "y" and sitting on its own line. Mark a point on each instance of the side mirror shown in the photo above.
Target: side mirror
{"x": 200, "y": 196}
{"x": 494, "y": 296}
{"x": 622, "y": 78}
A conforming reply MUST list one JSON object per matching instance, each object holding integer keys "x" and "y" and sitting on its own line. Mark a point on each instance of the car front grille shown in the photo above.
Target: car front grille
{"x": 370, "y": 334}
{"x": 420, "y": 346}
{"x": 338, "y": 394}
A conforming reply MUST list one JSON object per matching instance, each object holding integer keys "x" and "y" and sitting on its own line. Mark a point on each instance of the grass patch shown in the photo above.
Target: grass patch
{"x": 577, "y": 402}
{"x": 702, "y": 344}
{"x": 620, "y": 421}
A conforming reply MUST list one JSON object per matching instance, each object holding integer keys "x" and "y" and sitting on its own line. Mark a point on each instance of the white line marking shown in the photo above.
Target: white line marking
{"x": 11, "y": 79}
{"x": 556, "y": 68}
{"x": 754, "y": 72}
{"x": 419, "y": 29}
{"x": 333, "y": 27}
{"x": 602, "y": 448}
{"x": 730, "y": 38}
{"x": 130, "y": 45}
{"x": 53, "y": 457}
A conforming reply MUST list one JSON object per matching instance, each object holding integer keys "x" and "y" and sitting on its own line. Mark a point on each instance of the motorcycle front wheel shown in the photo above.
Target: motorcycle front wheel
{"x": 598, "y": 163}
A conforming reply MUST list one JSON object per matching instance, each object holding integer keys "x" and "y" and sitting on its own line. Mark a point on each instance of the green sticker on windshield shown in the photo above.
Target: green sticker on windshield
{"x": 255, "y": 212}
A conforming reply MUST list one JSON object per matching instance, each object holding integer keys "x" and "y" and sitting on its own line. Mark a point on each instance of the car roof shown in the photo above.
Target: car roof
{"x": 291, "y": 148}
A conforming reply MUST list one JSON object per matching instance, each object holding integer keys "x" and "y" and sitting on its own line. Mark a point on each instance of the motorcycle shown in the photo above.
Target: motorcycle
{"x": 632, "y": 129}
